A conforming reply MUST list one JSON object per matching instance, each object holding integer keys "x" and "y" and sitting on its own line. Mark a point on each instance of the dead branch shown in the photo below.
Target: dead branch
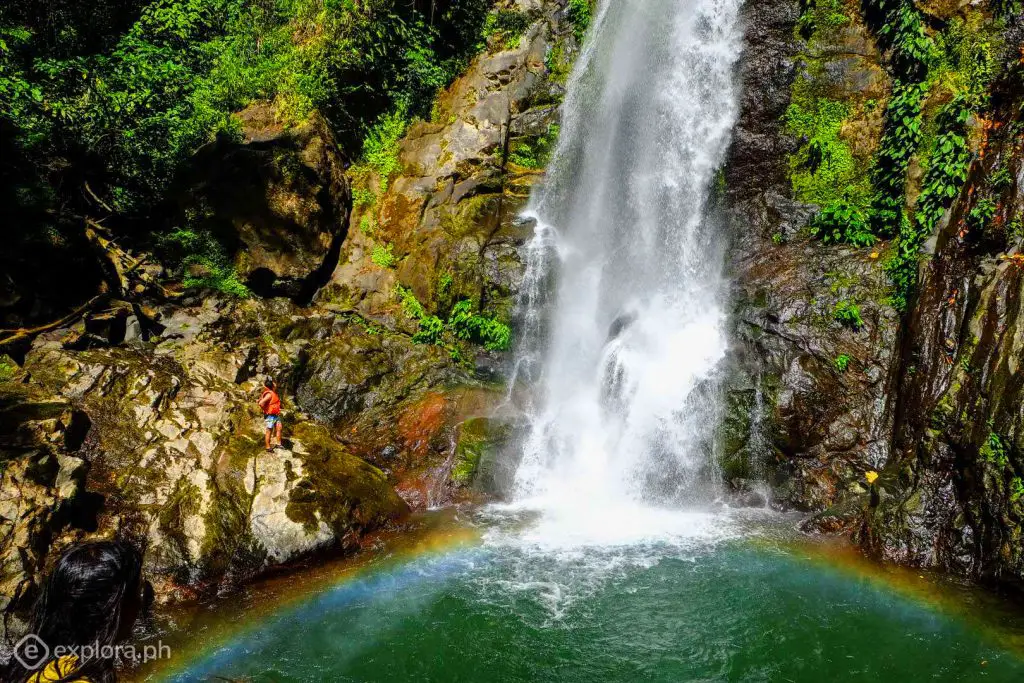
{"x": 27, "y": 334}
{"x": 96, "y": 198}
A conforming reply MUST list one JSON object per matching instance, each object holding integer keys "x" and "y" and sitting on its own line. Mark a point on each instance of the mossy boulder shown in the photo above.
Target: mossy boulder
{"x": 278, "y": 199}
{"x": 42, "y": 484}
{"x": 478, "y": 454}
{"x": 175, "y": 444}
{"x": 355, "y": 371}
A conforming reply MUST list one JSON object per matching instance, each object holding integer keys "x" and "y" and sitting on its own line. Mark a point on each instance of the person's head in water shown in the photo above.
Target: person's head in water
{"x": 92, "y": 596}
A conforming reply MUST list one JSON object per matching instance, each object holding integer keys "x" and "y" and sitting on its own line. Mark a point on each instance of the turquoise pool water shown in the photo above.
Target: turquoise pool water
{"x": 744, "y": 604}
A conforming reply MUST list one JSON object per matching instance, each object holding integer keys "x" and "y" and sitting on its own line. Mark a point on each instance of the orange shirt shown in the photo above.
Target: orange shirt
{"x": 273, "y": 406}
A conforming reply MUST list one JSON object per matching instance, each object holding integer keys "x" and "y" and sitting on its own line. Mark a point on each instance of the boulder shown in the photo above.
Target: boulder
{"x": 175, "y": 452}
{"x": 279, "y": 199}
{"x": 42, "y": 483}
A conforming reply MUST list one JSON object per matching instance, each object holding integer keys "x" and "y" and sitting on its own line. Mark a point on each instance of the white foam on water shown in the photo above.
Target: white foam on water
{"x": 557, "y": 557}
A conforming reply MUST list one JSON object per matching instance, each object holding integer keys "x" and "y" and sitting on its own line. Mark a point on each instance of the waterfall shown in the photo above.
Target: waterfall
{"x": 622, "y": 310}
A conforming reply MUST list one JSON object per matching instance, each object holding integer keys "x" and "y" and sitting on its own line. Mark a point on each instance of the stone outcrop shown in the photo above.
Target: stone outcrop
{"x": 930, "y": 399}
{"x": 41, "y": 483}
{"x": 449, "y": 218}
{"x": 279, "y": 199}
{"x": 174, "y": 450}
{"x": 140, "y": 421}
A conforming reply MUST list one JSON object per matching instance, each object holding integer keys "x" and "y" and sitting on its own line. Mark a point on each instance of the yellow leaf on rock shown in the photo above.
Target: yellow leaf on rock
{"x": 871, "y": 476}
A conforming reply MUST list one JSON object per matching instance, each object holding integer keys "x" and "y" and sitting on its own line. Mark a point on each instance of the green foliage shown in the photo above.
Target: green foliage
{"x": 444, "y": 283}
{"x": 947, "y": 171}
{"x": 535, "y": 152}
{"x": 981, "y": 214}
{"x": 1002, "y": 179}
{"x": 557, "y": 62}
{"x": 368, "y": 224}
{"x": 7, "y": 368}
{"x": 1015, "y": 229}
{"x": 431, "y": 329}
{"x": 842, "y": 362}
{"x": 902, "y": 32}
{"x": 841, "y": 221}
{"x": 900, "y": 140}
{"x": 949, "y": 164}
{"x": 967, "y": 58}
{"x": 847, "y": 313}
{"x": 463, "y": 323}
{"x": 381, "y": 148}
{"x": 202, "y": 260}
{"x": 508, "y": 25}
{"x": 1016, "y": 489}
{"x": 993, "y": 451}
{"x": 823, "y": 169}
{"x": 960, "y": 60}
{"x": 363, "y": 197}
{"x": 383, "y": 255}
{"x": 490, "y": 333}
{"x": 580, "y": 14}
{"x": 820, "y": 14}
{"x": 410, "y": 304}
{"x": 122, "y": 93}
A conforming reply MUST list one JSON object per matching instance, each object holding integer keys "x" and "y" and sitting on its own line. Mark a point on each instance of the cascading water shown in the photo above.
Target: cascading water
{"x": 614, "y": 580}
{"x": 623, "y": 349}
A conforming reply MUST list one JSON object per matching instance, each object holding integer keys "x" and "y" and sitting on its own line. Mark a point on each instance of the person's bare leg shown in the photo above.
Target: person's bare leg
{"x": 277, "y": 429}
{"x": 267, "y": 438}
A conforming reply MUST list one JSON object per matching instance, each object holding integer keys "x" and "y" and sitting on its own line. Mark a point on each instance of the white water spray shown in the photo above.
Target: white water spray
{"x": 622, "y": 311}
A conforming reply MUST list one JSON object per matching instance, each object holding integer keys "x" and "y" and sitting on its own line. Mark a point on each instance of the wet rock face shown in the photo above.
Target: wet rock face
{"x": 823, "y": 384}
{"x": 756, "y": 171}
{"x": 354, "y": 372}
{"x": 955, "y": 499}
{"x": 807, "y": 393}
{"x": 450, "y": 215}
{"x": 931, "y": 400}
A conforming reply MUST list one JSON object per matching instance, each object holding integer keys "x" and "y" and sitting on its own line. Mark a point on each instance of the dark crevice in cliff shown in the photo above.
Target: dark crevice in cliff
{"x": 322, "y": 275}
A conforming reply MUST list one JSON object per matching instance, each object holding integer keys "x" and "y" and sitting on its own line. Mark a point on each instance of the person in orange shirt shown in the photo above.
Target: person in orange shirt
{"x": 270, "y": 404}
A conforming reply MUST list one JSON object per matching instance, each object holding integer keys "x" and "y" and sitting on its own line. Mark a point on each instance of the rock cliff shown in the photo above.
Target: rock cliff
{"x": 833, "y": 375}
{"x": 379, "y": 299}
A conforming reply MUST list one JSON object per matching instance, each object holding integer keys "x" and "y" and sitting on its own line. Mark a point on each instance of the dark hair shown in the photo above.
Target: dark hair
{"x": 92, "y": 596}
{"x": 268, "y": 383}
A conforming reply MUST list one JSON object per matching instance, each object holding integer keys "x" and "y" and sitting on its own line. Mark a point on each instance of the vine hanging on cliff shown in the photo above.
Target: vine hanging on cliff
{"x": 943, "y": 181}
{"x": 900, "y": 140}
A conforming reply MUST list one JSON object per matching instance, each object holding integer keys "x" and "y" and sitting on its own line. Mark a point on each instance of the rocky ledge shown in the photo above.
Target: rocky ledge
{"x": 139, "y": 420}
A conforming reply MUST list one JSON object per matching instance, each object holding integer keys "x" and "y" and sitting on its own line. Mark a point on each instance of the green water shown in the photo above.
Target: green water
{"x": 743, "y": 607}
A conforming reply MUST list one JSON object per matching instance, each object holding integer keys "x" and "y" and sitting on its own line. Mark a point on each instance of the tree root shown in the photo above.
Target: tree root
{"x": 24, "y": 335}
{"x": 123, "y": 279}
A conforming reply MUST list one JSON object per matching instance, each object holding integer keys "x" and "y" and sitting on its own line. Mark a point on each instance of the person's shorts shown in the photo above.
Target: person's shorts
{"x": 271, "y": 420}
